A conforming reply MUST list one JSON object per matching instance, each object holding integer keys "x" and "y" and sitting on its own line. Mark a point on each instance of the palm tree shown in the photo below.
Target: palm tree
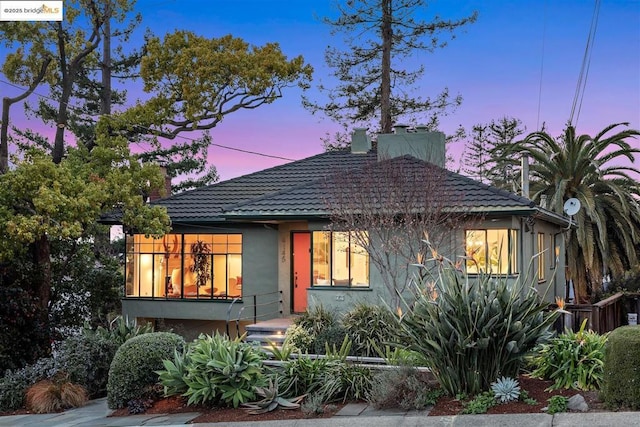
{"x": 591, "y": 169}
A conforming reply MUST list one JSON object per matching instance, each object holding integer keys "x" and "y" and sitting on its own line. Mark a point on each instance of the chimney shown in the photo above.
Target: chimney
{"x": 525, "y": 176}
{"x": 360, "y": 141}
{"x": 421, "y": 144}
{"x": 155, "y": 194}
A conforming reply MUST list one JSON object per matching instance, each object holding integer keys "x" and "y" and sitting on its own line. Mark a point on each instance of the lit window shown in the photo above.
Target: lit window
{"x": 338, "y": 260}
{"x": 542, "y": 255}
{"x": 492, "y": 251}
{"x": 195, "y": 266}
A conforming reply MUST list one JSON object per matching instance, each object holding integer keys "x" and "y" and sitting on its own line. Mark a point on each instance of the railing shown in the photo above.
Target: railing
{"x": 603, "y": 316}
{"x": 269, "y": 298}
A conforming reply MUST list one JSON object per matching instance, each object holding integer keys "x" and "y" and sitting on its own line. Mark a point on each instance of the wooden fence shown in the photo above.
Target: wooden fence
{"x": 604, "y": 316}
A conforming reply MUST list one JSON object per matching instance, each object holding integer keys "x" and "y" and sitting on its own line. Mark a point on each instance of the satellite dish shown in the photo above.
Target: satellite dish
{"x": 572, "y": 206}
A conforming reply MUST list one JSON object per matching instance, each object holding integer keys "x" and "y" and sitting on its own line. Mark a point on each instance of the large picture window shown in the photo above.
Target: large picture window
{"x": 492, "y": 251}
{"x": 338, "y": 260}
{"x": 193, "y": 266}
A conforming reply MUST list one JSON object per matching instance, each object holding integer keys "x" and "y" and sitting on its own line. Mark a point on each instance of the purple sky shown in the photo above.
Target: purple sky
{"x": 495, "y": 64}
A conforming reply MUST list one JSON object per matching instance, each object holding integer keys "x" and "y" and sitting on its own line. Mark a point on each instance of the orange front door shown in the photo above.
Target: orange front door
{"x": 301, "y": 275}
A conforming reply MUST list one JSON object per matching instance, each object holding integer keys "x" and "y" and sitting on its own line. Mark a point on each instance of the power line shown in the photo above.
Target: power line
{"x": 151, "y": 131}
{"x": 586, "y": 61}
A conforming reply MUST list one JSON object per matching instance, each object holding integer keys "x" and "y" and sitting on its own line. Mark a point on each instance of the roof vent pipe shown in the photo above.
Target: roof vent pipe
{"x": 400, "y": 128}
{"x": 360, "y": 141}
{"x": 525, "y": 175}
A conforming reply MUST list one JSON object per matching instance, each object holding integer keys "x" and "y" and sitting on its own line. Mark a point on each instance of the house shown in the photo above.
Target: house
{"x": 258, "y": 246}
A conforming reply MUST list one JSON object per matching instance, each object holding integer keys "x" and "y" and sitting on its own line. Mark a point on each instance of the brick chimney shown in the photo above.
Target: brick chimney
{"x": 417, "y": 142}
{"x": 155, "y": 194}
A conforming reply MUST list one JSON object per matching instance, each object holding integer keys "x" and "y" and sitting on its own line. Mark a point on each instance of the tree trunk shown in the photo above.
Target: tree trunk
{"x": 42, "y": 257}
{"x": 6, "y": 106}
{"x": 385, "y": 84}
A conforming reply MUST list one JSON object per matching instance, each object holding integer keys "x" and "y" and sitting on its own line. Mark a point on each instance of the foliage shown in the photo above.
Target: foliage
{"x": 172, "y": 377}
{"x": 49, "y": 396}
{"x": 557, "y": 404}
{"x": 506, "y": 389}
{"x": 86, "y": 359}
{"x": 135, "y": 364}
{"x": 200, "y": 254}
{"x": 379, "y": 36}
{"x": 304, "y": 375}
{"x": 403, "y": 387}
{"x": 621, "y": 374}
{"x": 367, "y": 325}
{"x": 215, "y": 369}
{"x": 482, "y": 158}
{"x": 329, "y": 338}
{"x": 122, "y": 329}
{"x": 628, "y": 282}
{"x": 14, "y": 384}
{"x": 313, "y": 405}
{"x": 84, "y": 290}
{"x": 139, "y": 406}
{"x": 480, "y": 404}
{"x": 23, "y": 335}
{"x": 600, "y": 172}
{"x": 298, "y": 338}
{"x": 345, "y": 381}
{"x": 316, "y": 319}
{"x": 272, "y": 399}
{"x": 472, "y": 330}
{"x": 571, "y": 360}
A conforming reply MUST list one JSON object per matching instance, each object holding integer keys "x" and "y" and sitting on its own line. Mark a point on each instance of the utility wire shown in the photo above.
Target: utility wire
{"x": 584, "y": 70}
{"x": 151, "y": 132}
{"x": 544, "y": 36}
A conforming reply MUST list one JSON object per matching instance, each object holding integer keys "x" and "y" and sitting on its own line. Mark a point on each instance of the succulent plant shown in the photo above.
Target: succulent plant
{"x": 272, "y": 399}
{"x": 506, "y": 389}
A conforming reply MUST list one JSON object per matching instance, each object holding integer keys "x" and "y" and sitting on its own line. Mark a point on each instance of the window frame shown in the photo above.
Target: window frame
{"x": 165, "y": 275}
{"x": 512, "y": 251}
{"x": 351, "y": 283}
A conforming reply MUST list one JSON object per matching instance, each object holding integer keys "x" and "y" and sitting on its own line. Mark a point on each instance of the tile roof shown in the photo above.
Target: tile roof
{"x": 299, "y": 190}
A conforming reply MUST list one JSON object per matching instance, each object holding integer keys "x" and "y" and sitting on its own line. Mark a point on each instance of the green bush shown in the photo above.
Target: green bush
{"x": 571, "y": 360}
{"x": 316, "y": 319}
{"x": 299, "y": 339}
{"x": 345, "y": 381}
{"x": 621, "y": 379}
{"x": 86, "y": 359}
{"x": 332, "y": 336}
{"x": 474, "y": 330}
{"x": 304, "y": 375}
{"x": 135, "y": 364}
{"x": 215, "y": 369}
{"x": 369, "y": 326}
{"x": 14, "y": 384}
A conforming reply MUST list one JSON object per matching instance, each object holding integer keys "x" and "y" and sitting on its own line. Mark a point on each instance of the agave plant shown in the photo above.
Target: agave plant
{"x": 272, "y": 399}
{"x": 506, "y": 389}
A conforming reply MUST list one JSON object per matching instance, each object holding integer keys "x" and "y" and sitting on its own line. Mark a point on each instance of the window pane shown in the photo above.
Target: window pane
{"x": 359, "y": 265}
{"x": 321, "y": 258}
{"x": 513, "y": 251}
{"x": 541, "y": 257}
{"x": 498, "y": 245}
{"x": 234, "y": 272}
{"x": 476, "y": 251}
{"x": 340, "y": 259}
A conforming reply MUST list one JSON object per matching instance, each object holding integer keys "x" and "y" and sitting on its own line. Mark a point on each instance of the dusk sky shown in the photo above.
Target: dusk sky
{"x": 520, "y": 57}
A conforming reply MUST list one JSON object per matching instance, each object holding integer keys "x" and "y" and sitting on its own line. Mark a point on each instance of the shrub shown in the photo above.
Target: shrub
{"x": 86, "y": 359}
{"x": 368, "y": 326}
{"x": 135, "y": 364}
{"x": 122, "y": 329}
{"x": 217, "y": 370}
{"x": 557, "y": 404}
{"x": 332, "y": 336}
{"x": 14, "y": 384}
{"x": 471, "y": 331}
{"x": 571, "y": 360}
{"x": 344, "y": 381}
{"x": 621, "y": 379}
{"x": 53, "y": 396}
{"x": 316, "y": 319}
{"x": 480, "y": 404}
{"x": 304, "y": 375}
{"x": 506, "y": 389}
{"x": 403, "y": 387}
{"x": 299, "y": 338}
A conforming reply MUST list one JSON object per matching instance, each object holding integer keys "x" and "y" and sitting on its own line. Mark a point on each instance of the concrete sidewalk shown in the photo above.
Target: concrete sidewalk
{"x": 95, "y": 414}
